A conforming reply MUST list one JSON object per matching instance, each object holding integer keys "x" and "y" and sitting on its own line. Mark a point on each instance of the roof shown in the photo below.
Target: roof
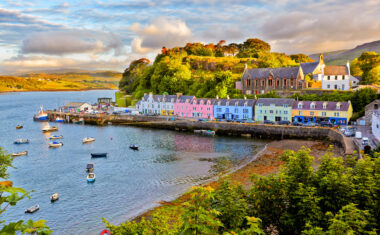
{"x": 275, "y": 101}
{"x": 183, "y": 98}
{"x": 335, "y": 70}
{"x": 75, "y": 104}
{"x": 285, "y": 72}
{"x": 198, "y": 100}
{"x": 232, "y": 102}
{"x": 309, "y": 67}
{"x": 330, "y": 105}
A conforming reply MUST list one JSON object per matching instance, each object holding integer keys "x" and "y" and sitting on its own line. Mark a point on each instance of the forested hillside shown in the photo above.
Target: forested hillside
{"x": 202, "y": 70}
{"x": 368, "y": 67}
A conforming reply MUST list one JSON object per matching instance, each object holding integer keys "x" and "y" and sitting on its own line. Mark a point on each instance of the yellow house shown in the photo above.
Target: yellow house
{"x": 338, "y": 113}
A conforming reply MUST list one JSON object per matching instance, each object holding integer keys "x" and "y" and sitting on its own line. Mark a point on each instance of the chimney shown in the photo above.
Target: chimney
{"x": 245, "y": 67}
{"x": 348, "y": 67}
{"x": 217, "y": 97}
{"x": 178, "y": 95}
{"x": 228, "y": 97}
{"x": 245, "y": 97}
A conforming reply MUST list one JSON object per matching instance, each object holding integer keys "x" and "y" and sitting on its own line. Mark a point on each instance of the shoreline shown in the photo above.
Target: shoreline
{"x": 266, "y": 161}
{"x": 54, "y": 90}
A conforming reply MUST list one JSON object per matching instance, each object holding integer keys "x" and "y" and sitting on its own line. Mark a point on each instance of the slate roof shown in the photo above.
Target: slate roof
{"x": 183, "y": 98}
{"x": 160, "y": 98}
{"x": 275, "y": 101}
{"x": 285, "y": 72}
{"x": 335, "y": 70}
{"x": 331, "y": 106}
{"x": 232, "y": 102}
{"x": 309, "y": 67}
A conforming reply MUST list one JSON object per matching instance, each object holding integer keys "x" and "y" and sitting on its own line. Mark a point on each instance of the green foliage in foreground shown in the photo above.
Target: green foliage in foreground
{"x": 9, "y": 196}
{"x": 341, "y": 196}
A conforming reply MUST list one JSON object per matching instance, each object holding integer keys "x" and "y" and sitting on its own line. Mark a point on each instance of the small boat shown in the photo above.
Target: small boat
{"x": 54, "y": 137}
{"x": 54, "y": 197}
{"x": 32, "y": 209}
{"x": 19, "y": 127}
{"x": 88, "y": 140}
{"x": 134, "y": 147}
{"x": 21, "y": 141}
{"x": 91, "y": 177}
{"x": 59, "y": 119}
{"x": 90, "y": 167}
{"x": 80, "y": 121}
{"x": 99, "y": 154}
{"x": 19, "y": 154}
{"x": 41, "y": 116}
{"x": 49, "y": 129}
{"x": 208, "y": 132}
{"x": 55, "y": 144}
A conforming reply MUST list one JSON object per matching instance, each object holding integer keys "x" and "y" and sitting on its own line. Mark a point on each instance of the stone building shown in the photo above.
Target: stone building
{"x": 314, "y": 69}
{"x": 376, "y": 124}
{"x": 369, "y": 109}
{"x": 262, "y": 80}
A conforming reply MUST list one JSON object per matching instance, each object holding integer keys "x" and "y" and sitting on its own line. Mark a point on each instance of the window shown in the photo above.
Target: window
{"x": 236, "y": 110}
{"x": 328, "y": 77}
{"x": 323, "y": 114}
{"x": 227, "y": 110}
{"x": 312, "y": 106}
{"x": 376, "y": 106}
{"x": 285, "y": 118}
{"x": 328, "y": 86}
{"x": 219, "y": 110}
{"x": 335, "y": 86}
{"x": 343, "y": 77}
{"x": 245, "y": 110}
{"x": 265, "y": 111}
{"x": 311, "y": 113}
{"x": 237, "y": 116}
{"x": 336, "y": 114}
{"x": 270, "y": 111}
{"x": 336, "y": 77}
{"x": 343, "y": 87}
{"x": 208, "y": 109}
{"x": 300, "y": 105}
{"x": 260, "y": 105}
{"x": 299, "y": 112}
{"x": 285, "y": 105}
{"x": 285, "y": 112}
{"x": 260, "y": 111}
{"x": 194, "y": 108}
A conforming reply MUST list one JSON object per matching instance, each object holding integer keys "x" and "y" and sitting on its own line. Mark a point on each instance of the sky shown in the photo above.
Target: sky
{"x": 108, "y": 35}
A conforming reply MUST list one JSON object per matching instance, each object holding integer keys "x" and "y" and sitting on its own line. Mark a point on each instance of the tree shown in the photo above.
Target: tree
{"x": 251, "y": 48}
{"x": 9, "y": 196}
{"x": 301, "y": 58}
{"x": 132, "y": 74}
{"x": 373, "y": 76}
{"x": 365, "y": 66}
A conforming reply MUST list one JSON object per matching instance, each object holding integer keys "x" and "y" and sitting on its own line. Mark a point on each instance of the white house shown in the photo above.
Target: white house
{"x": 149, "y": 104}
{"x": 376, "y": 124}
{"x": 337, "y": 77}
{"x": 77, "y": 106}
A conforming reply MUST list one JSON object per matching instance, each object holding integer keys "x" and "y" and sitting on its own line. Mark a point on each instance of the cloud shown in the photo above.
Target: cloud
{"x": 161, "y": 32}
{"x": 23, "y": 64}
{"x": 72, "y": 41}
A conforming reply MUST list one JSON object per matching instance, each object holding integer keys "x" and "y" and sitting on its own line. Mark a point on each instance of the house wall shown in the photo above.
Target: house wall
{"x": 376, "y": 124}
{"x": 182, "y": 109}
{"x": 201, "y": 110}
{"x": 272, "y": 111}
{"x": 369, "y": 109}
{"x": 233, "y": 112}
{"x": 336, "y": 82}
{"x": 167, "y": 108}
{"x": 85, "y": 106}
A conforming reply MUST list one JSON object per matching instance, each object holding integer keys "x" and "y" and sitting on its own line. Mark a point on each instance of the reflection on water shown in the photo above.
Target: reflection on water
{"x": 127, "y": 182}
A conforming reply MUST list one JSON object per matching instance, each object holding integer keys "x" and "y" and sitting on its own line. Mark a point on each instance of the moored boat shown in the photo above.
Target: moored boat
{"x": 19, "y": 154}
{"x": 59, "y": 119}
{"x": 32, "y": 209}
{"x": 134, "y": 147}
{"x": 88, "y": 140}
{"x": 90, "y": 167}
{"x": 54, "y": 197}
{"x": 54, "y": 137}
{"x": 49, "y": 129}
{"x": 99, "y": 155}
{"x": 91, "y": 177}
{"x": 19, "y": 127}
{"x": 42, "y": 116}
{"x": 55, "y": 144}
{"x": 80, "y": 121}
{"x": 21, "y": 141}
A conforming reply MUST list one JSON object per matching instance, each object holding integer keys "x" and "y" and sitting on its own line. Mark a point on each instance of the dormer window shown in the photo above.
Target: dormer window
{"x": 219, "y": 103}
{"x": 324, "y": 105}
{"x": 245, "y": 104}
{"x": 236, "y": 103}
{"x": 338, "y": 105}
{"x": 312, "y": 105}
{"x": 300, "y": 105}
{"x": 228, "y": 103}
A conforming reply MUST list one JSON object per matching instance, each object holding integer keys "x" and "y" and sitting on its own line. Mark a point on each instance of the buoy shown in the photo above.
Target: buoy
{"x": 111, "y": 138}
{"x": 105, "y": 232}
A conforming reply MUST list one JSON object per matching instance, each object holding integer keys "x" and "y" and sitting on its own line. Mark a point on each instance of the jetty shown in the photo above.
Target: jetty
{"x": 254, "y": 130}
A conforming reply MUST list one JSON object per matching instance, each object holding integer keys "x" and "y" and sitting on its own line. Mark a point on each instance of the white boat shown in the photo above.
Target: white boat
{"x": 55, "y": 144}
{"x": 41, "y": 116}
{"x": 54, "y": 137}
{"x": 88, "y": 140}
{"x": 59, "y": 119}
{"x": 91, "y": 177}
{"x": 49, "y": 129}
{"x": 54, "y": 197}
{"x": 32, "y": 209}
{"x": 19, "y": 154}
{"x": 21, "y": 141}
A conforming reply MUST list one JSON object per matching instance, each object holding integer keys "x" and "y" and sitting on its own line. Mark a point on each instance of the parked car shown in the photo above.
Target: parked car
{"x": 249, "y": 121}
{"x": 349, "y": 133}
{"x": 310, "y": 124}
{"x": 269, "y": 122}
{"x": 358, "y": 135}
{"x": 365, "y": 141}
{"x": 284, "y": 122}
{"x": 326, "y": 124}
{"x": 297, "y": 123}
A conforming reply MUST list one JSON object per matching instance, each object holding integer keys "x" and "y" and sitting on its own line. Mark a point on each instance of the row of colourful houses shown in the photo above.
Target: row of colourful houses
{"x": 272, "y": 109}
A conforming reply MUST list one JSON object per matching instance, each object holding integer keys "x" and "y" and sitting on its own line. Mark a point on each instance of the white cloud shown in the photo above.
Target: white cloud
{"x": 161, "y": 32}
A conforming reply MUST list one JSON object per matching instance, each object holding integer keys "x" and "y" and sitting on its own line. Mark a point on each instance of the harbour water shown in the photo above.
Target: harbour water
{"x": 127, "y": 182}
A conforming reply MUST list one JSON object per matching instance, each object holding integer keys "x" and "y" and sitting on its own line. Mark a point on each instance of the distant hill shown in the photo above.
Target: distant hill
{"x": 340, "y": 57}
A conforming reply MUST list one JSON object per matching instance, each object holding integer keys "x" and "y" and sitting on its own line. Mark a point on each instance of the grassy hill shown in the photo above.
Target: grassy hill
{"x": 341, "y": 57}
{"x": 60, "y": 81}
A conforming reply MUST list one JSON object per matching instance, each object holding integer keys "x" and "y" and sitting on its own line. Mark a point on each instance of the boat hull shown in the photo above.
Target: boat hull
{"x": 97, "y": 155}
{"x": 20, "y": 154}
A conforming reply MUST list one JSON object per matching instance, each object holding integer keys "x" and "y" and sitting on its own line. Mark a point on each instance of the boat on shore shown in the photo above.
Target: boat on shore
{"x": 134, "y": 147}
{"x": 19, "y": 127}
{"x": 91, "y": 177}
{"x": 95, "y": 155}
{"x": 21, "y": 141}
{"x": 54, "y": 197}
{"x": 18, "y": 154}
{"x": 55, "y": 144}
{"x": 54, "y": 137}
{"x": 32, "y": 209}
{"x": 49, "y": 129}
{"x": 88, "y": 140}
{"x": 90, "y": 167}
{"x": 205, "y": 132}
{"x": 41, "y": 116}
{"x": 59, "y": 119}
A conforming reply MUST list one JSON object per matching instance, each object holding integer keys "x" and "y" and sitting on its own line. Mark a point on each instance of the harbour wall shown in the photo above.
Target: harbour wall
{"x": 254, "y": 130}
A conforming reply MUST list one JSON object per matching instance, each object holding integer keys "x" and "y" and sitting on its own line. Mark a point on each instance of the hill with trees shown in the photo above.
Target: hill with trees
{"x": 203, "y": 70}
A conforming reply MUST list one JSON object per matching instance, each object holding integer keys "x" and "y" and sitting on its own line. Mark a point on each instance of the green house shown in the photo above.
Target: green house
{"x": 273, "y": 109}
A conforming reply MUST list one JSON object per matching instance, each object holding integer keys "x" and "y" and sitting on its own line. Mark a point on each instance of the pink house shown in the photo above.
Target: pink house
{"x": 182, "y": 106}
{"x": 202, "y": 108}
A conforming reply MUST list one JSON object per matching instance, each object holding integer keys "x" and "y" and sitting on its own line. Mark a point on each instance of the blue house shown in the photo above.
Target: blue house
{"x": 234, "y": 109}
